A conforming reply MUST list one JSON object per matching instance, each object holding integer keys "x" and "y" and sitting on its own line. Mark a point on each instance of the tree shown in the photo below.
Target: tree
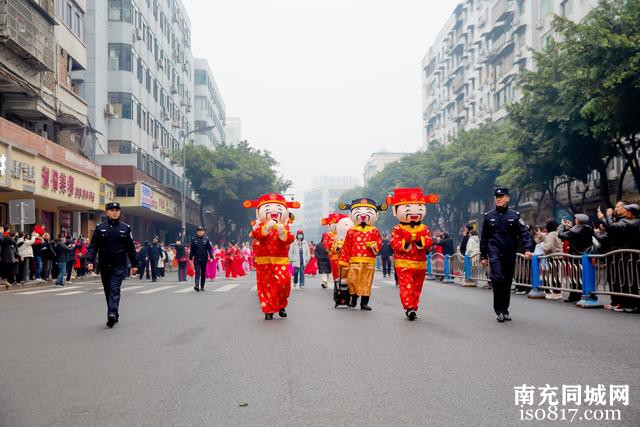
{"x": 223, "y": 178}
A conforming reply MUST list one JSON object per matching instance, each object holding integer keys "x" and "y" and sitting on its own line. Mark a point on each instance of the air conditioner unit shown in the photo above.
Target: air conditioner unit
{"x": 184, "y": 66}
{"x": 174, "y": 90}
{"x": 176, "y": 124}
{"x": 164, "y": 114}
{"x": 137, "y": 35}
{"x": 160, "y": 64}
{"x": 155, "y": 144}
{"x": 188, "y": 108}
{"x": 183, "y": 103}
{"x": 109, "y": 111}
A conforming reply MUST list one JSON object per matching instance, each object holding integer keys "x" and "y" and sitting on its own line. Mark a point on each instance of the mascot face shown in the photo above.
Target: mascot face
{"x": 344, "y": 225}
{"x": 364, "y": 214}
{"x": 273, "y": 211}
{"x": 412, "y": 212}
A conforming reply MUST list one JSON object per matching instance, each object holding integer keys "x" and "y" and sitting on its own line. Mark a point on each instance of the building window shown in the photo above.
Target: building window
{"x": 121, "y": 147}
{"x": 201, "y": 77}
{"x": 566, "y": 8}
{"x": 122, "y": 104}
{"x": 545, "y": 39}
{"x": 120, "y": 10}
{"x": 125, "y": 191}
{"x": 546, "y": 8}
{"x": 120, "y": 57}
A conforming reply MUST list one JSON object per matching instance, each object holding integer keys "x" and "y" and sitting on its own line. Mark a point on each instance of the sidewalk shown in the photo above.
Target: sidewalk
{"x": 33, "y": 284}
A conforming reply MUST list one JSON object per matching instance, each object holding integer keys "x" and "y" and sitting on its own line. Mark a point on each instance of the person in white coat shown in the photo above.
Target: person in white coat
{"x": 299, "y": 256}
{"x": 25, "y": 251}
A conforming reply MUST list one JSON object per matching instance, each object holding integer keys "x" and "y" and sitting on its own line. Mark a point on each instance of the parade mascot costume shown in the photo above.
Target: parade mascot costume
{"x": 328, "y": 240}
{"x": 410, "y": 241}
{"x": 361, "y": 244}
{"x": 271, "y": 241}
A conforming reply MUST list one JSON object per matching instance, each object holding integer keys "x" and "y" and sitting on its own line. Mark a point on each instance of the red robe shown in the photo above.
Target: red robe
{"x": 411, "y": 261}
{"x": 361, "y": 244}
{"x": 272, "y": 273}
{"x": 334, "y": 257}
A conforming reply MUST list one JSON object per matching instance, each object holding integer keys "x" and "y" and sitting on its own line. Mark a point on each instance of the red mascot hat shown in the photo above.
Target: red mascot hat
{"x": 333, "y": 218}
{"x": 270, "y": 198}
{"x": 411, "y": 195}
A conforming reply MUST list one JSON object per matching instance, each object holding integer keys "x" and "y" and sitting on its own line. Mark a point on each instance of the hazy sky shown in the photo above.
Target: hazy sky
{"x": 321, "y": 84}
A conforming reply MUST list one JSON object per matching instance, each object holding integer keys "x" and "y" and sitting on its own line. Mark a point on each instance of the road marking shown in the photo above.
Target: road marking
{"x": 225, "y": 288}
{"x": 129, "y": 288}
{"x": 72, "y": 293}
{"x": 41, "y": 291}
{"x": 255, "y": 288}
{"x": 151, "y": 291}
{"x": 184, "y": 291}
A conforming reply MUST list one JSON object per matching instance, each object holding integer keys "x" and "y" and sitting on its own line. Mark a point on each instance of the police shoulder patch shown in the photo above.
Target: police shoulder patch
{"x": 522, "y": 221}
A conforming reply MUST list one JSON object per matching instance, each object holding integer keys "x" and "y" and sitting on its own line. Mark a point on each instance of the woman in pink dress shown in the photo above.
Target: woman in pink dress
{"x": 212, "y": 267}
{"x": 312, "y": 266}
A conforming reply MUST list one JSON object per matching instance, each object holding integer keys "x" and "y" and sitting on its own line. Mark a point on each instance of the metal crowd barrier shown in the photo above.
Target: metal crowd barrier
{"x": 614, "y": 273}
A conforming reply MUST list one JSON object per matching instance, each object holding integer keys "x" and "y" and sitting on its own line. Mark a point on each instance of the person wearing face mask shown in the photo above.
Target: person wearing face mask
{"x": 502, "y": 232}
{"x": 299, "y": 257}
{"x": 410, "y": 241}
{"x": 361, "y": 245}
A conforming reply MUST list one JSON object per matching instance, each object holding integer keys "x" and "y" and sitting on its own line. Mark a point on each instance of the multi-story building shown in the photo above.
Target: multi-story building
{"x": 43, "y": 143}
{"x": 233, "y": 131}
{"x": 469, "y": 73}
{"x": 209, "y": 107}
{"x": 321, "y": 200}
{"x": 139, "y": 86}
{"x": 377, "y": 162}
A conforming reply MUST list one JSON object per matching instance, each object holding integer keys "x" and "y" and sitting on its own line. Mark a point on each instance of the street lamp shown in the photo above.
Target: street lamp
{"x": 184, "y": 176}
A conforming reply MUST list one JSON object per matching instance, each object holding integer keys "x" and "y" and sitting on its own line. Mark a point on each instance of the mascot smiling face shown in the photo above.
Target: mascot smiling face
{"x": 344, "y": 225}
{"x": 363, "y": 211}
{"x": 410, "y": 212}
{"x": 272, "y": 212}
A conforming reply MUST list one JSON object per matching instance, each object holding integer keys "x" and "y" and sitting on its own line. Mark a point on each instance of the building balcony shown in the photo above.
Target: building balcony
{"x": 73, "y": 109}
{"x": 458, "y": 82}
{"x": 503, "y": 10}
{"x": 27, "y": 28}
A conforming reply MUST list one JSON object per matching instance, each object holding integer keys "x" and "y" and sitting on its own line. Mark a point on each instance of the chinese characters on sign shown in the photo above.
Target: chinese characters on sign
{"x": 23, "y": 171}
{"x": 572, "y": 395}
{"x": 61, "y": 183}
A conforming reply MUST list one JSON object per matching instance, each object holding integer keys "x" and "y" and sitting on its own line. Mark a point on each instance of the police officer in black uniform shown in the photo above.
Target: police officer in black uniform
{"x": 113, "y": 244}
{"x": 501, "y": 230}
{"x": 200, "y": 251}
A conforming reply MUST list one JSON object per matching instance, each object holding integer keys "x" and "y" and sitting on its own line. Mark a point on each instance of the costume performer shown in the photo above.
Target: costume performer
{"x": 360, "y": 247}
{"x": 410, "y": 241}
{"x": 271, "y": 241}
{"x": 327, "y": 241}
{"x": 342, "y": 228}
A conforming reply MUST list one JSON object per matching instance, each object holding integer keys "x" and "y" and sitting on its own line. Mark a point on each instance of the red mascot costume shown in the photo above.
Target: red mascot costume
{"x": 271, "y": 240}
{"x": 410, "y": 241}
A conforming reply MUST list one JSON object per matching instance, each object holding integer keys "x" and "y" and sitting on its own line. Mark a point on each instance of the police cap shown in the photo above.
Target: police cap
{"x": 112, "y": 205}
{"x": 501, "y": 191}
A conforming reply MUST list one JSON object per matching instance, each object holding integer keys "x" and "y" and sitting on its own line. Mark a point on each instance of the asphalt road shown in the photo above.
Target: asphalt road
{"x": 209, "y": 359}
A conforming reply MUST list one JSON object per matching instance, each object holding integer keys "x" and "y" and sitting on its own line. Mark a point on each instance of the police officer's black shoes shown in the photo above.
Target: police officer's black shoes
{"x": 507, "y": 317}
{"x": 196, "y": 288}
{"x": 282, "y": 312}
{"x": 500, "y": 318}
{"x": 111, "y": 320}
{"x": 268, "y": 316}
{"x": 411, "y": 314}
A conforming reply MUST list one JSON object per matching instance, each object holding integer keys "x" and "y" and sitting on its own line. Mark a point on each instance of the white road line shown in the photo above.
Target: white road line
{"x": 130, "y": 288}
{"x": 41, "y": 291}
{"x": 255, "y": 288}
{"x": 375, "y": 287}
{"x": 151, "y": 291}
{"x": 225, "y": 288}
{"x": 184, "y": 291}
{"x": 72, "y": 293}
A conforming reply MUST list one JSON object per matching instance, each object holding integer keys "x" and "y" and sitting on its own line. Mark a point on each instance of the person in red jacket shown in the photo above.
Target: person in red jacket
{"x": 360, "y": 247}
{"x": 328, "y": 240}
{"x": 271, "y": 240}
{"x": 410, "y": 241}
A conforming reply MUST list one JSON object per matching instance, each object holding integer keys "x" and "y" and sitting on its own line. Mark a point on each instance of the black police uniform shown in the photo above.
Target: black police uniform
{"x": 113, "y": 244}
{"x": 501, "y": 230}
{"x": 200, "y": 251}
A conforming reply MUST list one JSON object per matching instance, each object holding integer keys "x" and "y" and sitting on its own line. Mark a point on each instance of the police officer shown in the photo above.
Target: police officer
{"x": 200, "y": 251}
{"x": 501, "y": 230}
{"x": 113, "y": 244}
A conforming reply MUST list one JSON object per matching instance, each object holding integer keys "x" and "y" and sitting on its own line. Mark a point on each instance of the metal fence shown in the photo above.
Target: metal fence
{"x": 613, "y": 273}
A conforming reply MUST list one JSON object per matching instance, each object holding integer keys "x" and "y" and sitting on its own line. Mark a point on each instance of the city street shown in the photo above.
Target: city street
{"x": 178, "y": 357}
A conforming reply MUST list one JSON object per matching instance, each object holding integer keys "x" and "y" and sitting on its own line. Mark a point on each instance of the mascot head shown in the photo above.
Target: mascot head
{"x": 344, "y": 225}
{"x": 332, "y": 221}
{"x": 363, "y": 211}
{"x": 272, "y": 207}
{"x": 409, "y": 204}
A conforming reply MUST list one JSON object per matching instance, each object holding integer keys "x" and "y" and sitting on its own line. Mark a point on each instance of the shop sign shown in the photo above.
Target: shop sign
{"x": 61, "y": 183}
{"x": 146, "y": 196}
